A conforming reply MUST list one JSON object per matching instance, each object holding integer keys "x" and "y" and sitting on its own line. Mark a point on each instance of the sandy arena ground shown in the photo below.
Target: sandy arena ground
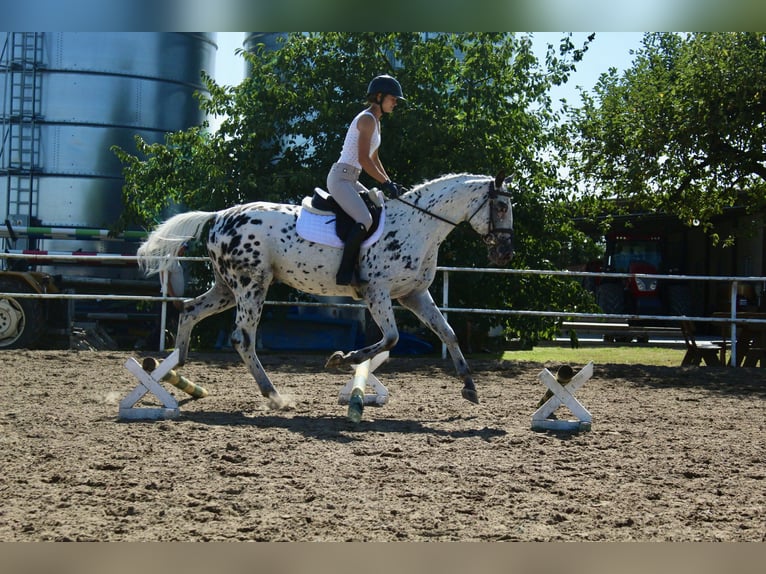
{"x": 674, "y": 454}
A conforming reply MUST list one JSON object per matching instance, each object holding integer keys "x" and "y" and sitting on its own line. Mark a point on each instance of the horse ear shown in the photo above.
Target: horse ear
{"x": 499, "y": 178}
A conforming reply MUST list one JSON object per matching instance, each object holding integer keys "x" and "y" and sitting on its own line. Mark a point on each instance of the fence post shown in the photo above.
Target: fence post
{"x": 733, "y": 324}
{"x": 445, "y": 304}
{"x": 164, "y": 278}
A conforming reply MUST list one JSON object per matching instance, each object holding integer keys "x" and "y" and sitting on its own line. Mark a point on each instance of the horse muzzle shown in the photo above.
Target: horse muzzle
{"x": 499, "y": 248}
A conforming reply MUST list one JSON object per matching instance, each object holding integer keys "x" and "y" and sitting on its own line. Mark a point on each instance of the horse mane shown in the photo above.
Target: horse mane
{"x": 420, "y": 186}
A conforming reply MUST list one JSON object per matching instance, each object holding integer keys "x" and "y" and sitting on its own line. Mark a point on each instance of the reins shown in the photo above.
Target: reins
{"x": 434, "y": 215}
{"x": 493, "y": 193}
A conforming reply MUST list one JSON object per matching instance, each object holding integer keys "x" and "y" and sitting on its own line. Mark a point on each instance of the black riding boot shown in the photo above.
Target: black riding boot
{"x": 347, "y": 273}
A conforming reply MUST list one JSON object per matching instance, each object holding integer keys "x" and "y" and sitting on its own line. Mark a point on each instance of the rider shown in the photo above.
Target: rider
{"x": 360, "y": 152}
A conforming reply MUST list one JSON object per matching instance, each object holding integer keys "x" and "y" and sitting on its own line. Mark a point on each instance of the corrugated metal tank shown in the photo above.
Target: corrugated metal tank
{"x": 270, "y": 40}
{"x": 68, "y": 97}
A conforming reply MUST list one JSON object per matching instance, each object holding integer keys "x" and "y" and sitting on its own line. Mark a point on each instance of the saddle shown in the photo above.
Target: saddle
{"x": 322, "y": 203}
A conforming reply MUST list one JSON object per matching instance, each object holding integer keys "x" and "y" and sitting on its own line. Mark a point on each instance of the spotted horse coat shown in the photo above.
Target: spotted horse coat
{"x": 254, "y": 244}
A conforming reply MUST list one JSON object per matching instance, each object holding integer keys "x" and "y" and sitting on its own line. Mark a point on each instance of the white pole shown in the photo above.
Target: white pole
{"x": 445, "y": 304}
{"x": 733, "y": 324}
{"x": 361, "y": 373}
{"x": 164, "y": 278}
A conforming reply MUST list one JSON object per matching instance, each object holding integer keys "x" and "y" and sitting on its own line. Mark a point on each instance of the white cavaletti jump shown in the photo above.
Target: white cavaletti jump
{"x": 149, "y": 376}
{"x": 364, "y": 388}
{"x": 562, "y": 388}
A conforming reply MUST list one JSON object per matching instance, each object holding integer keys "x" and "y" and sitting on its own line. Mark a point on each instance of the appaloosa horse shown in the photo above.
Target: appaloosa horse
{"x": 254, "y": 244}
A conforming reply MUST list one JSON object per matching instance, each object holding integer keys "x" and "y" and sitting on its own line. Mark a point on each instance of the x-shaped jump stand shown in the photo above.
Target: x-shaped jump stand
{"x": 363, "y": 378}
{"x": 563, "y": 394}
{"x": 149, "y": 382}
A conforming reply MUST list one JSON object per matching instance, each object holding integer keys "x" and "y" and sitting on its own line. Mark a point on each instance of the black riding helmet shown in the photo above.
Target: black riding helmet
{"x": 385, "y": 85}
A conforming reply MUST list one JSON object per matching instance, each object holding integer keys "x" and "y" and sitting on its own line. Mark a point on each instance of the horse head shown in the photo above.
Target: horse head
{"x": 499, "y": 235}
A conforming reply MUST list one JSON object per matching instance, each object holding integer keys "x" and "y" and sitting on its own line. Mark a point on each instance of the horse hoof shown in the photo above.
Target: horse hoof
{"x": 336, "y": 361}
{"x": 355, "y": 407}
{"x": 470, "y": 394}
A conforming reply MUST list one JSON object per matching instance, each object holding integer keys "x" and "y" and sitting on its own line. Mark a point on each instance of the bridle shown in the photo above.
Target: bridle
{"x": 490, "y": 238}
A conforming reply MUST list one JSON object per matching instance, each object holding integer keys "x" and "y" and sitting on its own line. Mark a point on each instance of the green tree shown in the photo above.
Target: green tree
{"x": 683, "y": 131}
{"x": 476, "y": 103}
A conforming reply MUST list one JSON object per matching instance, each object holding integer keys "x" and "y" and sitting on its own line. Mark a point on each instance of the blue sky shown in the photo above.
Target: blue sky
{"x": 229, "y": 68}
{"x": 608, "y": 49}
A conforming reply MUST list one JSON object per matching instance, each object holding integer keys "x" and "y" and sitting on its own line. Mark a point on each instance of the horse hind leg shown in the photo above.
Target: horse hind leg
{"x": 243, "y": 341}
{"x": 217, "y": 299}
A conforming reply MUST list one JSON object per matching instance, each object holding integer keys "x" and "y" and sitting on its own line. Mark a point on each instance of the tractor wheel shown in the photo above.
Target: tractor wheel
{"x": 21, "y": 319}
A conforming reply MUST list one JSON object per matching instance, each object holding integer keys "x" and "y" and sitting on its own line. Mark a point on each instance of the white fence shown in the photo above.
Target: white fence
{"x": 731, "y": 319}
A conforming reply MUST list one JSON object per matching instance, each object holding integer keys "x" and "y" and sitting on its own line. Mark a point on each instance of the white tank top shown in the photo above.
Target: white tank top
{"x": 350, "y": 152}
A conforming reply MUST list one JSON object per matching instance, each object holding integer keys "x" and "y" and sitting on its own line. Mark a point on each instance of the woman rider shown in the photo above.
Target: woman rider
{"x": 360, "y": 152}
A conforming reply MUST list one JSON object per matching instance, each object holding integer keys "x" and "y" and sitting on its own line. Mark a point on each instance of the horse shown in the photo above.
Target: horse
{"x": 252, "y": 245}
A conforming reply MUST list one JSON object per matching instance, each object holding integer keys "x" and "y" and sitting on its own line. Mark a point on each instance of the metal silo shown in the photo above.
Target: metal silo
{"x": 270, "y": 40}
{"x": 65, "y": 99}
{"x": 68, "y": 97}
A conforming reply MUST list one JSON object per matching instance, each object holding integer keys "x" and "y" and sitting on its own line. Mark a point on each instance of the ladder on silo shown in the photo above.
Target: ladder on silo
{"x": 21, "y": 60}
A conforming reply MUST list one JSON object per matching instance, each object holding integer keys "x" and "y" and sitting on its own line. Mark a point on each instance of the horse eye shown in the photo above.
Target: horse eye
{"x": 501, "y": 207}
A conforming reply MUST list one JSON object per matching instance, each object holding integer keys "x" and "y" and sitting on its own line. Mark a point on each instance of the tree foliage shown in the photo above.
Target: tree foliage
{"x": 683, "y": 130}
{"x": 475, "y": 102}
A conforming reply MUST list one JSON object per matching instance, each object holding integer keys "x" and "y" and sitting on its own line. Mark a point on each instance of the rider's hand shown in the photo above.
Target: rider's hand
{"x": 392, "y": 189}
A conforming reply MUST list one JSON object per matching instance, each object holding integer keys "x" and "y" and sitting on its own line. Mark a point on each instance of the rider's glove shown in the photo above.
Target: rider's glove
{"x": 392, "y": 189}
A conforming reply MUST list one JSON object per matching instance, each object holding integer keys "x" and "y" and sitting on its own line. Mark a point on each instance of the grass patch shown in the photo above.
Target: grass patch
{"x": 621, "y": 355}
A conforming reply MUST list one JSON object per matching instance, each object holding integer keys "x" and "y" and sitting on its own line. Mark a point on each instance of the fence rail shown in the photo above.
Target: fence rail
{"x": 732, "y": 318}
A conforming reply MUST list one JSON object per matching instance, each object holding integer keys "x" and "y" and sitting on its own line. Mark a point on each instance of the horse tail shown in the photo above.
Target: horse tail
{"x": 157, "y": 253}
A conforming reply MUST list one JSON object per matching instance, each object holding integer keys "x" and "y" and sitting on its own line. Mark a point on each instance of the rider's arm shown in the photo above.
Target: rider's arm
{"x": 376, "y": 161}
{"x": 371, "y": 165}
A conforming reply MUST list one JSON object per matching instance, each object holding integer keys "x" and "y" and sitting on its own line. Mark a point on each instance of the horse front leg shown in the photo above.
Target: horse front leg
{"x": 379, "y": 304}
{"x": 423, "y": 307}
{"x": 217, "y": 299}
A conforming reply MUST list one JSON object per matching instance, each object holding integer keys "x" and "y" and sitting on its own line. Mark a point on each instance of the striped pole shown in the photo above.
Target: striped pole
{"x": 178, "y": 381}
{"x": 74, "y": 233}
{"x": 356, "y": 402}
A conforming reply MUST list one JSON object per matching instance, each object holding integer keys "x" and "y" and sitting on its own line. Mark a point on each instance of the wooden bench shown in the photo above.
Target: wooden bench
{"x": 699, "y": 351}
{"x": 750, "y": 350}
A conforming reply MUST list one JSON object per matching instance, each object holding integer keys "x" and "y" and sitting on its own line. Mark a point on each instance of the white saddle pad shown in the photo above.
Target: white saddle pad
{"x": 320, "y": 228}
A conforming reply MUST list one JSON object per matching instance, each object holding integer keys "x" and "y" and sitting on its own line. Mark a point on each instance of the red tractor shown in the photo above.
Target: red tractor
{"x": 642, "y": 254}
